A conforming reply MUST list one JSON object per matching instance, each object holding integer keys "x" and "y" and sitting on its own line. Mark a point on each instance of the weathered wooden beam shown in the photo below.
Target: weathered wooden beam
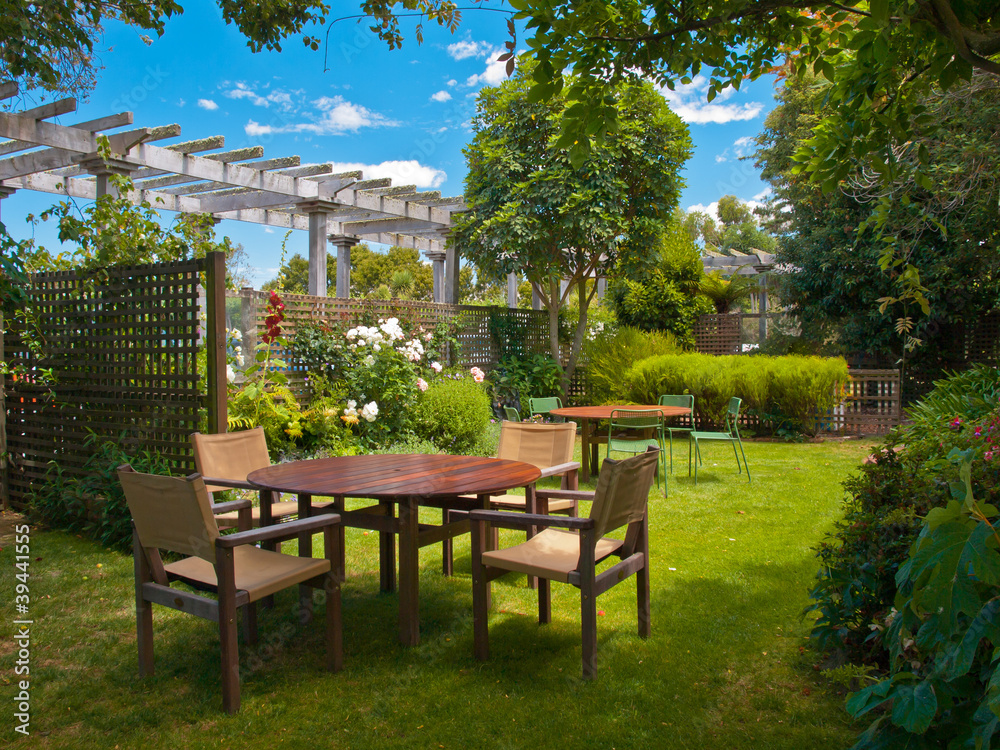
{"x": 50, "y": 109}
{"x": 43, "y": 133}
{"x": 91, "y": 126}
{"x": 37, "y": 161}
{"x": 387, "y": 226}
{"x": 8, "y": 89}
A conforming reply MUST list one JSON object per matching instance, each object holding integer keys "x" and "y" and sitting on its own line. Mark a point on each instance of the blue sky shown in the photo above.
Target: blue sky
{"x": 403, "y": 114}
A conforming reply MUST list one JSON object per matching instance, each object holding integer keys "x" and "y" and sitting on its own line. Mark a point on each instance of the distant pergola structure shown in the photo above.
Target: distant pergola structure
{"x": 195, "y": 177}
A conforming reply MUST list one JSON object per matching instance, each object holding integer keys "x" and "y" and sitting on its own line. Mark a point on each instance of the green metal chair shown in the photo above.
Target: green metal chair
{"x": 510, "y": 414}
{"x": 686, "y": 402}
{"x": 648, "y": 428}
{"x": 544, "y": 405}
{"x": 733, "y": 436}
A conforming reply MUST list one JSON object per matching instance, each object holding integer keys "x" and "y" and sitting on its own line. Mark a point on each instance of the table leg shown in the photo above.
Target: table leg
{"x": 387, "y": 553}
{"x": 584, "y": 450}
{"x": 305, "y": 550}
{"x": 409, "y": 572}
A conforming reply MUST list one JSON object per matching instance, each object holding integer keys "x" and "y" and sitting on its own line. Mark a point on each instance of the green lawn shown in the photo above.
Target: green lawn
{"x": 724, "y": 668}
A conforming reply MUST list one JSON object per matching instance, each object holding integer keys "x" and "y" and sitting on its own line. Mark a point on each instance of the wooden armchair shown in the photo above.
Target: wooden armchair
{"x": 569, "y": 549}
{"x": 546, "y": 446}
{"x": 225, "y": 459}
{"x": 175, "y": 514}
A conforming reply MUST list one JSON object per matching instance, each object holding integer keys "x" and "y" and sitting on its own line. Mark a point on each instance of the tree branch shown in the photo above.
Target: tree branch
{"x": 954, "y": 30}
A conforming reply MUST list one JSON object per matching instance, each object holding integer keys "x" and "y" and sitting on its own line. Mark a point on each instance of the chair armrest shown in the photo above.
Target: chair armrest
{"x": 566, "y": 494}
{"x": 236, "y": 484}
{"x": 279, "y": 531}
{"x": 525, "y": 520}
{"x": 231, "y": 505}
{"x": 551, "y": 471}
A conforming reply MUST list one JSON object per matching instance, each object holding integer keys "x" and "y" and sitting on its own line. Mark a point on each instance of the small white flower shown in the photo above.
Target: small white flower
{"x": 436, "y": 366}
{"x": 230, "y": 374}
{"x": 369, "y": 360}
{"x": 370, "y": 411}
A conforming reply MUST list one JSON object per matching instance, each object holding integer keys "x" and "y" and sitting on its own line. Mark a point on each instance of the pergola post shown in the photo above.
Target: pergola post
{"x": 343, "y": 243}
{"x": 437, "y": 259}
{"x": 102, "y": 169}
{"x": 602, "y": 286}
{"x": 762, "y": 308}
{"x": 536, "y": 301}
{"x": 512, "y": 290}
{"x": 451, "y": 268}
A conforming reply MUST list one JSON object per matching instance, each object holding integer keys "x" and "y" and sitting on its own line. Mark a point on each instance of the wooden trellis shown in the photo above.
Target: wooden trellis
{"x": 122, "y": 346}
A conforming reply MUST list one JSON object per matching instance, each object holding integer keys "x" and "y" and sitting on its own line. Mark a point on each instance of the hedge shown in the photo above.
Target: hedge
{"x": 790, "y": 391}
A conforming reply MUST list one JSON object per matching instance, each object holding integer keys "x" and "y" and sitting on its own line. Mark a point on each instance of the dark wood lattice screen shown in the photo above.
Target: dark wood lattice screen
{"x": 122, "y": 347}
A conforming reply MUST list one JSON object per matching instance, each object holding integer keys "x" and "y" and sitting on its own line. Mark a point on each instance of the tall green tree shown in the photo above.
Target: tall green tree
{"x": 663, "y": 295}
{"x": 370, "y": 270}
{"x": 531, "y": 211}
{"x": 835, "y": 284}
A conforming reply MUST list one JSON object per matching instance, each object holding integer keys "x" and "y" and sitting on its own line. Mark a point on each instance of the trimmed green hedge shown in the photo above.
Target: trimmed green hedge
{"x": 791, "y": 390}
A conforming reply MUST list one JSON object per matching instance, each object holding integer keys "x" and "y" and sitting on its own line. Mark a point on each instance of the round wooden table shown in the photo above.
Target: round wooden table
{"x": 583, "y": 415}
{"x": 406, "y": 481}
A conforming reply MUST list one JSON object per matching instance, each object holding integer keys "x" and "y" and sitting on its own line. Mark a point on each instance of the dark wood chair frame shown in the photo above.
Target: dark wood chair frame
{"x": 634, "y": 554}
{"x": 152, "y": 586}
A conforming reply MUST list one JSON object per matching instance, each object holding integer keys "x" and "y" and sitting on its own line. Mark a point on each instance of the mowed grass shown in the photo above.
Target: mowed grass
{"x": 725, "y": 667}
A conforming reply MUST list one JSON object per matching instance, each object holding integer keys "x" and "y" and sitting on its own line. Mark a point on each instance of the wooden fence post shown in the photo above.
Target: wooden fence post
{"x": 248, "y": 323}
{"x": 215, "y": 341}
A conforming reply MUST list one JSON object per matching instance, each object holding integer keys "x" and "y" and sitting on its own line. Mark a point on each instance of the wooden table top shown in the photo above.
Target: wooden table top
{"x": 392, "y": 475}
{"x": 604, "y": 412}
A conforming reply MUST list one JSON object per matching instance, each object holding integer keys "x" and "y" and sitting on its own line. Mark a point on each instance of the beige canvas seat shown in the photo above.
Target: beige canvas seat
{"x": 175, "y": 514}
{"x": 549, "y": 447}
{"x": 225, "y": 459}
{"x": 569, "y": 549}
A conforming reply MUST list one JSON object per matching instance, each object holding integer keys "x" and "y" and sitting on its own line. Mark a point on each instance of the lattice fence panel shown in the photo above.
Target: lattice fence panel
{"x": 718, "y": 334}
{"x": 123, "y": 348}
{"x": 871, "y": 405}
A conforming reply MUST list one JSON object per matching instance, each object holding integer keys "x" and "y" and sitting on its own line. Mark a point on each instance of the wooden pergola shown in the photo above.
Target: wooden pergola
{"x": 197, "y": 177}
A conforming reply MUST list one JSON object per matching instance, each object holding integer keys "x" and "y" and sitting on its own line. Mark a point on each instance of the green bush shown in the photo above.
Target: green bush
{"x": 93, "y": 502}
{"x": 453, "y": 414}
{"x": 791, "y": 391}
{"x": 909, "y": 543}
{"x": 516, "y": 379}
{"x": 276, "y": 410}
{"x": 609, "y": 355}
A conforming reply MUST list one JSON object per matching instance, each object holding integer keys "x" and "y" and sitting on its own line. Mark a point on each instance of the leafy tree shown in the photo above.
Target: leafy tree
{"x": 293, "y": 275}
{"x": 531, "y": 211}
{"x": 370, "y": 270}
{"x": 836, "y": 286}
{"x": 737, "y": 232}
{"x": 665, "y": 295}
{"x": 881, "y": 57}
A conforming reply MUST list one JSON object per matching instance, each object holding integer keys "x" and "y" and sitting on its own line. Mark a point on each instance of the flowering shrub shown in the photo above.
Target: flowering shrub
{"x": 263, "y": 399}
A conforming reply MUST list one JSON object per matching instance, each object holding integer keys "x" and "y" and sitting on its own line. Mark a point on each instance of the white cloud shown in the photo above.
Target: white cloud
{"x": 331, "y": 116}
{"x": 494, "y": 75}
{"x": 410, "y": 172}
{"x": 740, "y": 149}
{"x": 207, "y": 104}
{"x": 690, "y": 103}
{"x": 441, "y": 96}
{"x": 283, "y": 99}
{"x": 452, "y": 82}
{"x": 463, "y": 50}
{"x": 181, "y": 102}
{"x": 712, "y": 209}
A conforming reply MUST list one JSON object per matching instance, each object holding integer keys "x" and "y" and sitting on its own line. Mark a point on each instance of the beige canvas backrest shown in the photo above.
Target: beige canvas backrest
{"x": 171, "y": 513}
{"x": 622, "y": 491}
{"x": 230, "y": 455}
{"x": 541, "y": 445}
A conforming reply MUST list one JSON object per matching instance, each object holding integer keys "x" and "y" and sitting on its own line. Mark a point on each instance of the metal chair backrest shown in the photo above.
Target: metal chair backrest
{"x": 541, "y": 445}
{"x": 623, "y": 491}
{"x": 733, "y": 414}
{"x": 686, "y": 401}
{"x": 510, "y": 413}
{"x": 635, "y": 419}
{"x": 544, "y": 405}
{"x": 171, "y": 513}
{"x": 230, "y": 455}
